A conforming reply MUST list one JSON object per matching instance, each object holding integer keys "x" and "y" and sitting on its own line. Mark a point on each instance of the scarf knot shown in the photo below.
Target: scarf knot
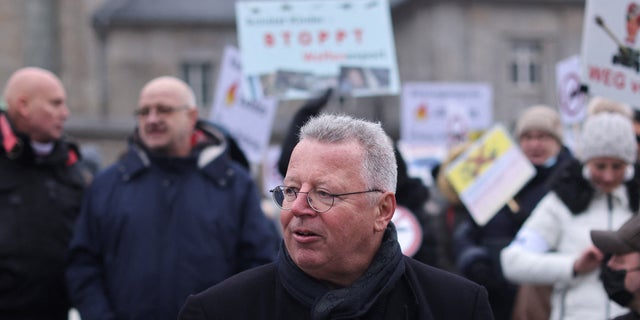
{"x": 350, "y": 302}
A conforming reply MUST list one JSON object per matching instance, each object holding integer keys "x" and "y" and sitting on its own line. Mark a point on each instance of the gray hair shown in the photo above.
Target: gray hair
{"x": 380, "y": 169}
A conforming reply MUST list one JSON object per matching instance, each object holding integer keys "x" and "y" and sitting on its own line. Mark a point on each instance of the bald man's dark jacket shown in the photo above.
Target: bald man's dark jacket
{"x": 39, "y": 200}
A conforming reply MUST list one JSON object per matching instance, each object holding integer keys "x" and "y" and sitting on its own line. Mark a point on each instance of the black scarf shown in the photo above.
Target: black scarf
{"x": 385, "y": 270}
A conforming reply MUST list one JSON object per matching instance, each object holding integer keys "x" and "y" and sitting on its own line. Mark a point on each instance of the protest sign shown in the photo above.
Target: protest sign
{"x": 489, "y": 174}
{"x": 421, "y": 159}
{"x": 295, "y": 49}
{"x": 610, "y": 56}
{"x": 271, "y": 176}
{"x": 408, "y": 229}
{"x": 248, "y": 121}
{"x": 571, "y": 98}
{"x": 438, "y": 113}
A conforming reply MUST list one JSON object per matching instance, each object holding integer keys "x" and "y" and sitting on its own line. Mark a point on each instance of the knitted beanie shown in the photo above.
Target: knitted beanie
{"x": 608, "y": 134}
{"x": 541, "y": 118}
{"x": 601, "y": 104}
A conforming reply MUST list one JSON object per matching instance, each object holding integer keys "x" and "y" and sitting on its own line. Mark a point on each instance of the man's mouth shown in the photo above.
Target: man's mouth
{"x": 305, "y": 233}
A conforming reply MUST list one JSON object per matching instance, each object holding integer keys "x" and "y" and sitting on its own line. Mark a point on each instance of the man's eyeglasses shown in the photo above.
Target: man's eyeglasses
{"x": 319, "y": 201}
{"x": 161, "y": 111}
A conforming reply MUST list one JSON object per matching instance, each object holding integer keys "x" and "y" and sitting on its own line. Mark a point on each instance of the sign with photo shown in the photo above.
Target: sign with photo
{"x": 248, "y": 121}
{"x": 295, "y": 49}
{"x": 610, "y": 55}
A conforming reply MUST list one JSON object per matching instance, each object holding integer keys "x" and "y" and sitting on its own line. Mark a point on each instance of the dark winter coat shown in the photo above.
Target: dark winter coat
{"x": 422, "y": 293}
{"x": 39, "y": 202}
{"x": 155, "y": 229}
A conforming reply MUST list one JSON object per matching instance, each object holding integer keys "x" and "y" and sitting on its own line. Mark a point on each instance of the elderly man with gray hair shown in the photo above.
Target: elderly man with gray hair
{"x": 340, "y": 258}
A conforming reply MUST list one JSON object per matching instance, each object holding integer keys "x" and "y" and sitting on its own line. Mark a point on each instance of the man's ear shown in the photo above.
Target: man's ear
{"x": 386, "y": 207}
{"x": 22, "y": 105}
{"x": 193, "y": 115}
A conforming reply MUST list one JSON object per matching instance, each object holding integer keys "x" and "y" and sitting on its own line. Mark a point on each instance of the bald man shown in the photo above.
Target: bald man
{"x": 174, "y": 216}
{"x": 41, "y": 188}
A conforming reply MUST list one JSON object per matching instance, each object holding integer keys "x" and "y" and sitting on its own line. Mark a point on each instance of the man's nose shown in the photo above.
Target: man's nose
{"x": 300, "y": 205}
{"x": 65, "y": 112}
{"x": 153, "y": 115}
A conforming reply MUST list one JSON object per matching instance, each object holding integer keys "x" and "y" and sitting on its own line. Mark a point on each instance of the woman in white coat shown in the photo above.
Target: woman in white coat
{"x": 599, "y": 192}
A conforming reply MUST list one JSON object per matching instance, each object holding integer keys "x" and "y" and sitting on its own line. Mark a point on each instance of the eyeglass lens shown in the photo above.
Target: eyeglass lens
{"x": 284, "y": 198}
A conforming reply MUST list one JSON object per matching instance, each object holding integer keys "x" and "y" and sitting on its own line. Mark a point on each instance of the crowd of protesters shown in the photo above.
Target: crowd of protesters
{"x": 179, "y": 212}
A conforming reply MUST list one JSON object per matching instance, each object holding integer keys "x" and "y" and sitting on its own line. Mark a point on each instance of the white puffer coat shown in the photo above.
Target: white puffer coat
{"x": 549, "y": 243}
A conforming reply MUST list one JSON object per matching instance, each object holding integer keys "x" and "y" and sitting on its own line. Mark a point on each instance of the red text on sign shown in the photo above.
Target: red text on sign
{"x": 607, "y": 77}
{"x": 306, "y": 38}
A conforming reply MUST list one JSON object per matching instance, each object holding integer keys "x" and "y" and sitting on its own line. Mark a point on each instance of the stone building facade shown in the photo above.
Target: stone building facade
{"x": 105, "y": 50}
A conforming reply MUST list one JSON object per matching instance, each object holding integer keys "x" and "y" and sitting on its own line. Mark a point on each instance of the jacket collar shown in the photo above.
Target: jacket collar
{"x": 576, "y": 192}
{"x": 17, "y": 145}
{"x": 11, "y": 145}
{"x": 209, "y": 148}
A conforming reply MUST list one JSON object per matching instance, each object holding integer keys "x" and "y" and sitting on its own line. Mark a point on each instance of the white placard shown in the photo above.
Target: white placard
{"x": 432, "y": 112}
{"x": 249, "y": 122}
{"x": 571, "y": 98}
{"x": 295, "y": 49}
{"x": 610, "y": 57}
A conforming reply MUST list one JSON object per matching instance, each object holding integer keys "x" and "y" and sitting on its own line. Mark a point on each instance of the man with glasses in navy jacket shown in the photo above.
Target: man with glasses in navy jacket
{"x": 174, "y": 216}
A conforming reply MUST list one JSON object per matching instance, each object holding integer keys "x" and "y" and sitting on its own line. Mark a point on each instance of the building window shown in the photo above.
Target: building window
{"x": 526, "y": 60}
{"x": 198, "y": 76}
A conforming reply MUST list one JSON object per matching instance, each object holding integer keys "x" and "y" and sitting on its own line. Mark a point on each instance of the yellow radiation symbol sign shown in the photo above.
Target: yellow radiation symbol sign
{"x": 478, "y": 159}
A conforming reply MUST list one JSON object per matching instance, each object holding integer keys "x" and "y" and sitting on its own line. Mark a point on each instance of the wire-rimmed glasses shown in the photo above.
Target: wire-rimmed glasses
{"x": 161, "y": 111}
{"x": 319, "y": 201}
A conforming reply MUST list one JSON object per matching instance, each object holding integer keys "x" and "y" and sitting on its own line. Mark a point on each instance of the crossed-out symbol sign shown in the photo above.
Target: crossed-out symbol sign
{"x": 475, "y": 164}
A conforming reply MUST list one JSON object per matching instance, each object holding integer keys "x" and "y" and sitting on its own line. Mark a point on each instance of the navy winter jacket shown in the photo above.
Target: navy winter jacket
{"x": 153, "y": 230}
